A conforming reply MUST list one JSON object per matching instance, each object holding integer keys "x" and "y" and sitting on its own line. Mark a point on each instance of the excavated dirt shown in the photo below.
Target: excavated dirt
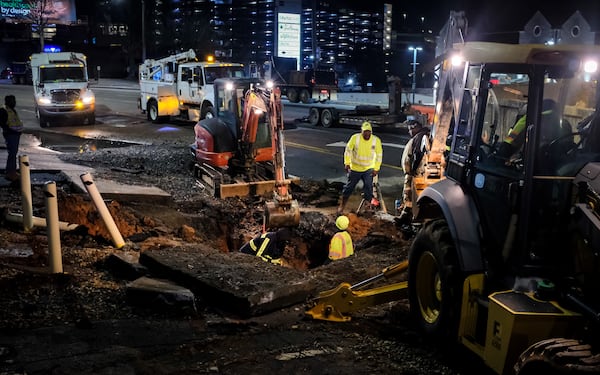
{"x": 80, "y": 322}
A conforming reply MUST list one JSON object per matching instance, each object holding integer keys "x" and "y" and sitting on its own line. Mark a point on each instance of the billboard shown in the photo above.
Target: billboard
{"x": 288, "y": 36}
{"x": 20, "y": 11}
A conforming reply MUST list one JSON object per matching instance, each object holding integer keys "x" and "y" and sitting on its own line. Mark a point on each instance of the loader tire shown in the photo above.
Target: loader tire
{"x": 313, "y": 116}
{"x": 558, "y": 356}
{"x": 435, "y": 281}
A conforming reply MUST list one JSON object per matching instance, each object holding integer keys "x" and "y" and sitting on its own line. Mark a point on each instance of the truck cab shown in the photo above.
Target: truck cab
{"x": 61, "y": 87}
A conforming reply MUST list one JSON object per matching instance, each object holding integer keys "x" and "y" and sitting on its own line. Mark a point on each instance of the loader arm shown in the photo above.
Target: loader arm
{"x": 337, "y": 304}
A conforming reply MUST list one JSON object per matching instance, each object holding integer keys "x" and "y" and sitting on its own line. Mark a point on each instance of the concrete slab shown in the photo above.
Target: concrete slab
{"x": 236, "y": 282}
{"x": 45, "y": 165}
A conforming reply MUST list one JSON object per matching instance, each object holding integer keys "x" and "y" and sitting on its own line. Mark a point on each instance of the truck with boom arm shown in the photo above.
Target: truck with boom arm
{"x": 180, "y": 86}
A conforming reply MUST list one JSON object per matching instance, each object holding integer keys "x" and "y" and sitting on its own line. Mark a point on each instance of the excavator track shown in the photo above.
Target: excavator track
{"x": 558, "y": 356}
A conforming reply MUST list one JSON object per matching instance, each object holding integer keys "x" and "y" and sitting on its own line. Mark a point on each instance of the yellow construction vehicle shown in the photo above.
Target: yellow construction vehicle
{"x": 506, "y": 259}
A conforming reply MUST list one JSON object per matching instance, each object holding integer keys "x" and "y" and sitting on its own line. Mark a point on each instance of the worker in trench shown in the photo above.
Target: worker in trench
{"x": 362, "y": 160}
{"x": 340, "y": 246}
{"x": 268, "y": 246}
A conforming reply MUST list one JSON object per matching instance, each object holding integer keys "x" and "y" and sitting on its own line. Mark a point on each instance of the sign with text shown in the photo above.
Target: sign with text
{"x": 288, "y": 36}
{"x": 25, "y": 11}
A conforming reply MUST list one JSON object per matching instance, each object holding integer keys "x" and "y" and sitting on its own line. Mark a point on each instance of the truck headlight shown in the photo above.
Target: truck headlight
{"x": 88, "y": 99}
{"x": 44, "y": 100}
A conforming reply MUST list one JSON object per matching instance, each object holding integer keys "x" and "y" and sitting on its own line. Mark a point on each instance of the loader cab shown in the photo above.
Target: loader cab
{"x": 516, "y": 146}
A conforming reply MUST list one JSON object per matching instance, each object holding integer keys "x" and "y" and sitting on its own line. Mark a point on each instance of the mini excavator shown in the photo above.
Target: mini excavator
{"x": 240, "y": 151}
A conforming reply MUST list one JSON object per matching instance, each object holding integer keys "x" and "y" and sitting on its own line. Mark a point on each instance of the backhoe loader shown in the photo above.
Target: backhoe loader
{"x": 506, "y": 259}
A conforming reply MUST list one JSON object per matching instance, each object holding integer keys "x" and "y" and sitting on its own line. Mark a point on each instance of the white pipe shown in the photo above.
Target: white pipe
{"x": 92, "y": 190}
{"x": 54, "y": 252}
{"x": 39, "y": 221}
{"x": 26, "y": 200}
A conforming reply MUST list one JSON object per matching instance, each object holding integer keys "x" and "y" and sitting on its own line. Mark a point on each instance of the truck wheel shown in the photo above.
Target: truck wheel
{"x": 313, "y": 116}
{"x": 327, "y": 118}
{"x": 434, "y": 281}
{"x": 153, "y": 111}
{"x": 292, "y": 95}
{"x": 305, "y": 96}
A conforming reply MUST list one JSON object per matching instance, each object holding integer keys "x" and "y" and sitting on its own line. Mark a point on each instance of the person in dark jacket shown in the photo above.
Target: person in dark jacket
{"x": 268, "y": 246}
{"x": 12, "y": 127}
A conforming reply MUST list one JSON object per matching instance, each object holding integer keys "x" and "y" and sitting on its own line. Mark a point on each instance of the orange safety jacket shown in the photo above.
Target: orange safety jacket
{"x": 340, "y": 246}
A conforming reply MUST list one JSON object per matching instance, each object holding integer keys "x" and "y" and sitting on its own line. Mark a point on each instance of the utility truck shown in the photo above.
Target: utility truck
{"x": 181, "y": 86}
{"x": 61, "y": 88}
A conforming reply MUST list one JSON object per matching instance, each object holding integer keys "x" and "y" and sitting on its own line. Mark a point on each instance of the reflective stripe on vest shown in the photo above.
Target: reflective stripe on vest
{"x": 362, "y": 161}
{"x": 337, "y": 253}
{"x": 13, "y": 121}
{"x": 262, "y": 247}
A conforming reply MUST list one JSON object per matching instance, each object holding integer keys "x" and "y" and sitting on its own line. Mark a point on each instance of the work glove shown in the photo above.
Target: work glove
{"x": 347, "y": 167}
{"x": 374, "y": 173}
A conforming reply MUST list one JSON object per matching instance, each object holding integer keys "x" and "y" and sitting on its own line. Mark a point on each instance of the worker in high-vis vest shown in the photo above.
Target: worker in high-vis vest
{"x": 12, "y": 127}
{"x": 340, "y": 246}
{"x": 362, "y": 161}
{"x": 551, "y": 129}
{"x": 268, "y": 246}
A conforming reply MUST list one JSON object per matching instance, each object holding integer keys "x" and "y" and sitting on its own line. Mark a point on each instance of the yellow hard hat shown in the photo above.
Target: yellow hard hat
{"x": 342, "y": 222}
{"x": 366, "y": 126}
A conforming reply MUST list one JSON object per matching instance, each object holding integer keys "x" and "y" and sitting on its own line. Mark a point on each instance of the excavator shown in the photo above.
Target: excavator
{"x": 505, "y": 260}
{"x": 240, "y": 151}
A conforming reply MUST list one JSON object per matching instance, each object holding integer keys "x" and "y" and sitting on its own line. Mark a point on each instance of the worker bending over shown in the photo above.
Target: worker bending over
{"x": 268, "y": 246}
{"x": 340, "y": 245}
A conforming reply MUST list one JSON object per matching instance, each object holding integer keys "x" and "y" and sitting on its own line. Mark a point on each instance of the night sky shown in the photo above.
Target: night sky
{"x": 507, "y": 15}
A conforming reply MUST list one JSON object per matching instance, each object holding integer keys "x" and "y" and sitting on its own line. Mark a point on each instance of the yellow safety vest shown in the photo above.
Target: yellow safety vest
{"x": 362, "y": 155}
{"x": 340, "y": 246}
{"x": 13, "y": 121}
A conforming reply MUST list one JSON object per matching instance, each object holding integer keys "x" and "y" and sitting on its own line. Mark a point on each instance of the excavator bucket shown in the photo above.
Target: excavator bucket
{"x": 282, "y": 215}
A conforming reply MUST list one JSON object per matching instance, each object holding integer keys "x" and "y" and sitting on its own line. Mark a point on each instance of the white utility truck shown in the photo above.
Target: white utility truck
{"x": 61, "y": 88}
{"x": 181, "y": 86}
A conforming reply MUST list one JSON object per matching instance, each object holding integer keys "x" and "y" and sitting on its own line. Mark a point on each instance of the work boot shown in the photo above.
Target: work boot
{"x": 405, "y": 217}
{"x": 342, "y": 205}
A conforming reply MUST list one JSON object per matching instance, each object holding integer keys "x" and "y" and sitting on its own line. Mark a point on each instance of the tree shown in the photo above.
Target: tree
{"x": 39, "y": 12}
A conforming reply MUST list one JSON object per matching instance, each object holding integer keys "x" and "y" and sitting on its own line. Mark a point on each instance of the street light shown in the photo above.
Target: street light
{"x": 414, "y": 73}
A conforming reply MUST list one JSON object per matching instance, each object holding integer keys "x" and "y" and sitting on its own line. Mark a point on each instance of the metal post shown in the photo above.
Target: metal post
{"x": 54, "y": 251}
{"x": 414, "y": 72}
{"x": 143, "y": 31}
{"x": 26, "y": 202}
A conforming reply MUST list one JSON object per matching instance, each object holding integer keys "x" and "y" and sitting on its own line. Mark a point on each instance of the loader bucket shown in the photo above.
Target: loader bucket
{"x": 278, "y": 215}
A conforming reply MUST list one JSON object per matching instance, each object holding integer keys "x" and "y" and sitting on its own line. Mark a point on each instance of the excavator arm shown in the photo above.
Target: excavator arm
{"x": 282, "y": 210}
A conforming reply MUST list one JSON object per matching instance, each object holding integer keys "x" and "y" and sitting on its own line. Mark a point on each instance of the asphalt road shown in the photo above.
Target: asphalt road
{"x": 311, "y": 152}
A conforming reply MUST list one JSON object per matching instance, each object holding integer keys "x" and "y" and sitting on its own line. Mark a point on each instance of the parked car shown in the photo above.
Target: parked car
{"x": 6, "y": 74}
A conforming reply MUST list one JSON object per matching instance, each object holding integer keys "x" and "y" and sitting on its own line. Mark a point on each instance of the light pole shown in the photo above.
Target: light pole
{"x": 143, "y": 31}
{"x": 414, "y": 72}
